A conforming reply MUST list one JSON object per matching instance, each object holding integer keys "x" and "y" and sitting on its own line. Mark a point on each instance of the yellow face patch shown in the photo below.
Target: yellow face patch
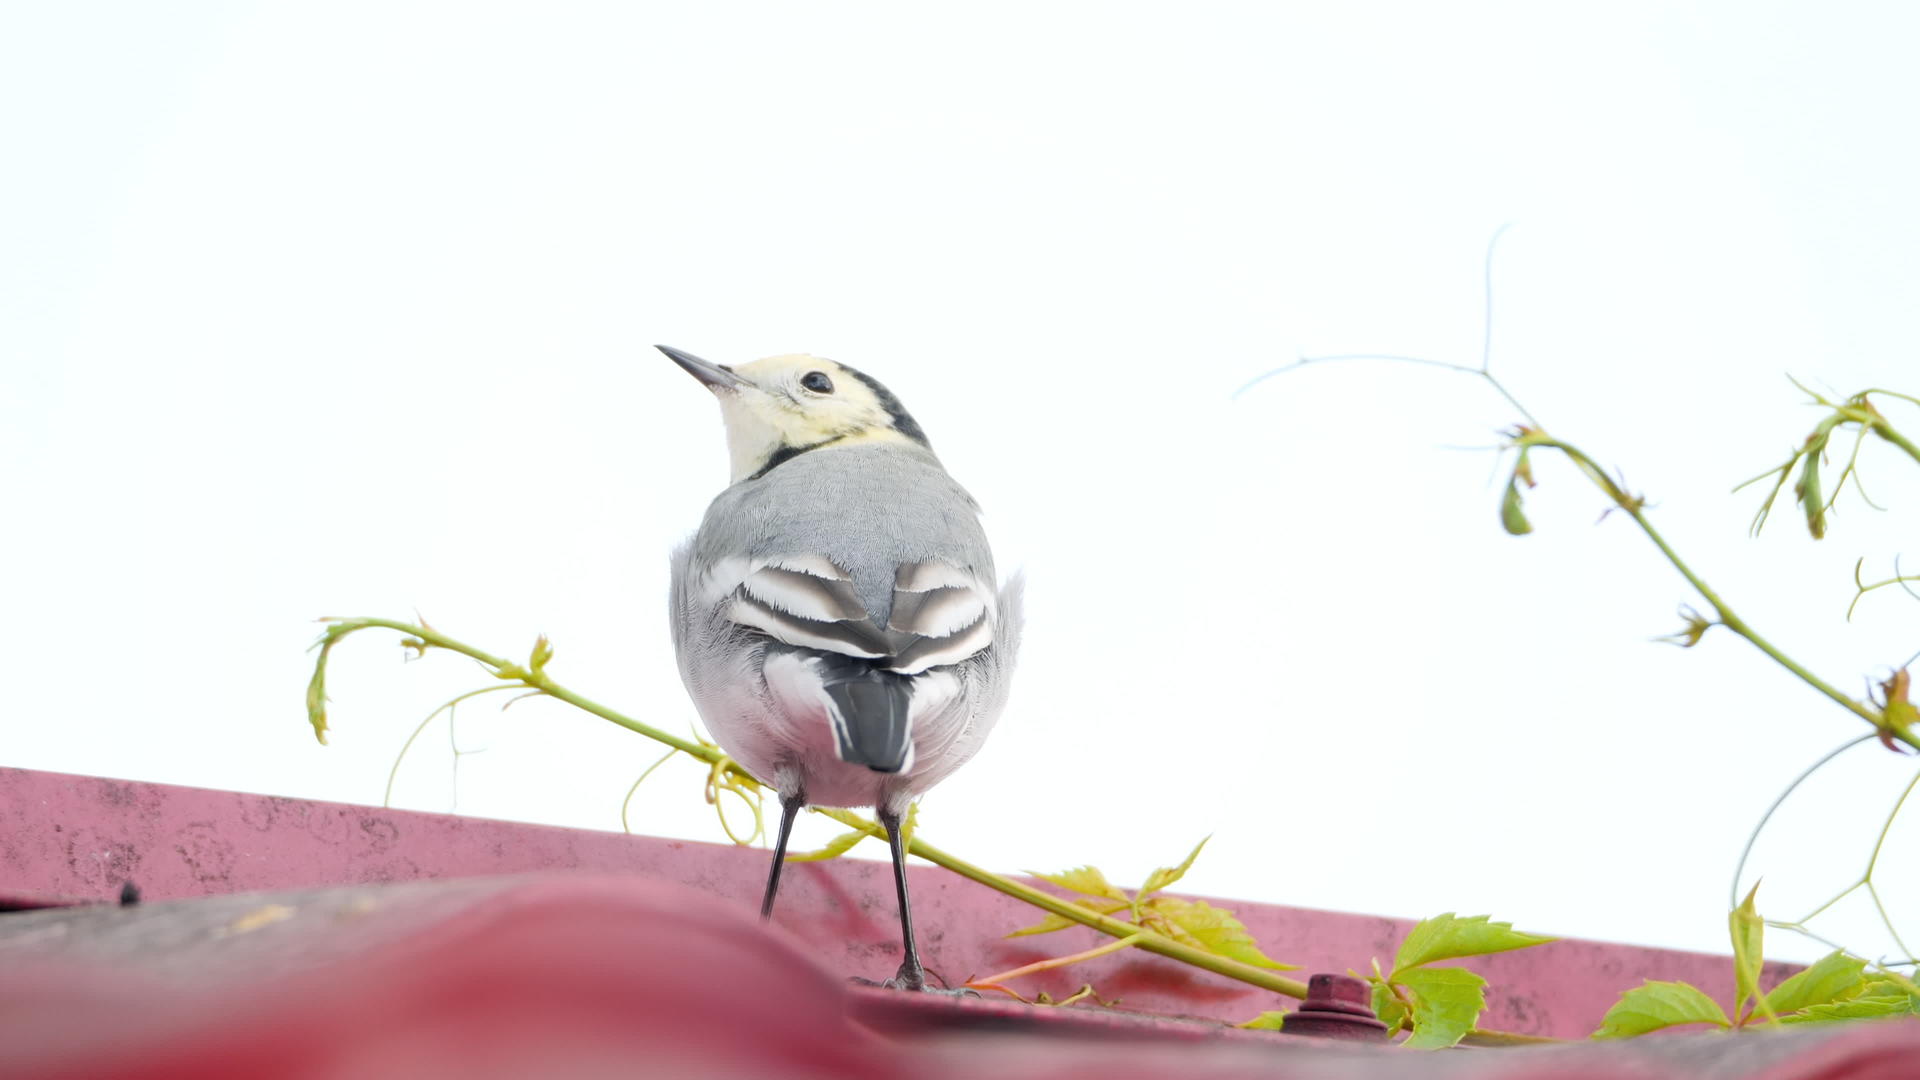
{"x": 789, "y": 404}
{"x": 810, "y": 400}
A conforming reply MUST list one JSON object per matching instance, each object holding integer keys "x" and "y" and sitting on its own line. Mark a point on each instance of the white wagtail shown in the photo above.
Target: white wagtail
{"x": 835, "y": 618}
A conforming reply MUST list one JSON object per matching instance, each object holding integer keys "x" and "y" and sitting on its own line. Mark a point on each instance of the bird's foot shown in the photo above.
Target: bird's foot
{"x": 912, "y": 976}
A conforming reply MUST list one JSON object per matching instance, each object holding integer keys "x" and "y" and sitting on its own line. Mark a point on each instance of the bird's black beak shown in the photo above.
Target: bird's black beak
{"x": 714, "y": 376}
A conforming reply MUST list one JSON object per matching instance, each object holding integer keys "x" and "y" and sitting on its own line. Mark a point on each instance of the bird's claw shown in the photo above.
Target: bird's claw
{"x": 915, "y": 979}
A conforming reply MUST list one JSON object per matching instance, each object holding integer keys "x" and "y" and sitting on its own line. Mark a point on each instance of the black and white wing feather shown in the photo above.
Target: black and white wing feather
{"x": 939, "y": 614}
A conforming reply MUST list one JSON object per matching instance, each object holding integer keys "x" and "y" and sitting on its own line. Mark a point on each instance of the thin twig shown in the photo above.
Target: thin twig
{"x": 445, "y": 707}
{"x": 993, "y": 982}
{"x": 628, "y": 801}
{"x": 1486, "y": 344}
{"x": 1733, "y": 896}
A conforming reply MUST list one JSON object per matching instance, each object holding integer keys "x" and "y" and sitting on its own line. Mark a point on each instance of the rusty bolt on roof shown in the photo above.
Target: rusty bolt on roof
{"x": 1337, "y": 1007}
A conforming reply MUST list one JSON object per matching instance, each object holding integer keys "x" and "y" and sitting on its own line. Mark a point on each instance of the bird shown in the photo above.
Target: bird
{"x": 836, "y": 618}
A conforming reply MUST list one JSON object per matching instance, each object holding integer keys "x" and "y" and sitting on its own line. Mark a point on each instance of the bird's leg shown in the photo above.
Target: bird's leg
{"x": 910, "y": 976}
{"x": 789, "y": 809}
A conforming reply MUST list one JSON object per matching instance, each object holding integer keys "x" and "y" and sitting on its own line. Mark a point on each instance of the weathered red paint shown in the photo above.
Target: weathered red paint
{"x": 78, "y": 837}
{"x": 583, "y": 977}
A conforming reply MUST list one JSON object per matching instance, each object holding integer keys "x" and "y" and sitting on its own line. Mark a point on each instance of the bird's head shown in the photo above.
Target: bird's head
{"x": 787, "y": 405}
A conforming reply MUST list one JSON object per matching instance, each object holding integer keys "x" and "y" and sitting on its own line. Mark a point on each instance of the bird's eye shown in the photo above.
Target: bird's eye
{"x": 817, "y": 382}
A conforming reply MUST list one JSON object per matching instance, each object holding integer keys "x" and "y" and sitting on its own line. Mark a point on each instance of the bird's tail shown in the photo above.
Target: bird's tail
{"x": 870, "y": 712}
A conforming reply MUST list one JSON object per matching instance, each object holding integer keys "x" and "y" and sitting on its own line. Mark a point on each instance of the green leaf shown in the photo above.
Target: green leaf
{"x": 1899, "y": 983}
{"x": 1446, "y": 1002}
{"x": 1045, "y": 926}
{"x": 1745, "y": 926}
{"x": 1889, "y": 984}
{"x": 1166, "y": 876}
{"x": 1266, "y": 1021}
{"x": 1216, "y": 930}
{"x": 1834, "y": 977}
{"x": 1860, "y": 1008}
{"x": 1654, "y": 1005}
{"x": 1448, "y": 937}
{"x": 1085, "y": 880}
{"x": 835, "y": 848}
{"x": 1387, "y": 1007}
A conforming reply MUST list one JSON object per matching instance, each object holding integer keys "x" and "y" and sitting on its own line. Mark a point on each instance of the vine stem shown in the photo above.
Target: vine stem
{"x": 1149, "y": 940}
{"x": 1724, "y": 614}
{"x": 534, "y": 676}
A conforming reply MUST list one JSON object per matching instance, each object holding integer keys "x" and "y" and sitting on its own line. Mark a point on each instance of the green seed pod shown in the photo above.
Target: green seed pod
{"x": 1511, "y": 517}
{"x": 1808, "y": 492}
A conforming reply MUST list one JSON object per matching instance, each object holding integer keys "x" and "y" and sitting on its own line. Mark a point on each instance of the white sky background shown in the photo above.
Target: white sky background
{"x": 332, "y": 310}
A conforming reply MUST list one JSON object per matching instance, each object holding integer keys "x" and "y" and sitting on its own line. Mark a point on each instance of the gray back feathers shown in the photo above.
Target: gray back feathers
{"x": 869, "y": 509}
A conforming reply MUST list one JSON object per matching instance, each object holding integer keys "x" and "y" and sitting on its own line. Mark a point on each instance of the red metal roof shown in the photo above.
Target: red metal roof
{"x": 647, "y": 958}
